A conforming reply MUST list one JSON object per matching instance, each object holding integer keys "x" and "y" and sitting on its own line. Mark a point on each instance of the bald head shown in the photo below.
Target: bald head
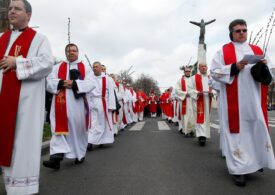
{"x": 203, "y": 68}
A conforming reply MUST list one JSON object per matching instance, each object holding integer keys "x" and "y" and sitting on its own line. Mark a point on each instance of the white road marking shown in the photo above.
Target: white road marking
{"x": 137, "y": 127}
{"x": 163, "y": 126}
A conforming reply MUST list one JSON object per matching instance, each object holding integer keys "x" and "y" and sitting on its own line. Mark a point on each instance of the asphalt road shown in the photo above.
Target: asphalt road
{"x": 146, "y": 160}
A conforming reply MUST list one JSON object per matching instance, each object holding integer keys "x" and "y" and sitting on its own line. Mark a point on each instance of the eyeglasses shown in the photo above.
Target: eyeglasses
{"x": 240, "y": 30}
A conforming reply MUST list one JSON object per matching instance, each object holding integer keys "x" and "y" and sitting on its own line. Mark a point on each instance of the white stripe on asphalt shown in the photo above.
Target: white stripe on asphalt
{"x": 271, "y": 125}
{"x": 137, "y": 127}
{"x": 163, "y": 126}
{"x": 215, "y": 126}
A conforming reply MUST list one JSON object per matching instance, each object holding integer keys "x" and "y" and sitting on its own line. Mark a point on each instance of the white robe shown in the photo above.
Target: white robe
{"x": 175, "y": 107}
{"x": 127, "y": 106}
{"x": 201, "y": 129}
{"x": 217, "y": 87}
{"x": 101, "y": 132}
{"x": 73, "y": 145}
{"x": 22, "y": 177}
{"x": 188, "y": 120}
{"x": 251, "y": 148}
{"x": 114, "y": 115}
{"x": 132, "y": 104}
{"x": 120, "y": 95}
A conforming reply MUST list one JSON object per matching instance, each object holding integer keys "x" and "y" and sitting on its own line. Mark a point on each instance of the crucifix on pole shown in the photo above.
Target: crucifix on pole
{"x": 202, "y": 45}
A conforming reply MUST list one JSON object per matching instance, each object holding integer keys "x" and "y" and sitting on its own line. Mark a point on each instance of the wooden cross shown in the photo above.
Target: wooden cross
{"x": 237, "y": 153}
{"x": 267, "y": 146}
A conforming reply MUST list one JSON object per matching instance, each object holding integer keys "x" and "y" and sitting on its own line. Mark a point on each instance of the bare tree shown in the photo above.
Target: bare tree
{"x": 125, "y": 76}
{"x": 146, "y": 83}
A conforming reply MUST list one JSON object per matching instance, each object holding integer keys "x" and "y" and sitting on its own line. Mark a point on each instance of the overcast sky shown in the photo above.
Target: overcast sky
{"x": 154, "y": 36}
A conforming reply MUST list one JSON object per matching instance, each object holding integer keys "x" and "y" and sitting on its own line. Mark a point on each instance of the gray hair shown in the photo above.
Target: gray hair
{"x": 27, "y": 5}
{"x": 97, "y": 62}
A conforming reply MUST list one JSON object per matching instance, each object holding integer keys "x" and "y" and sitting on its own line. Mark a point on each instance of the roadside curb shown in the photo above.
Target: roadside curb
{"x": 45, "y": 148}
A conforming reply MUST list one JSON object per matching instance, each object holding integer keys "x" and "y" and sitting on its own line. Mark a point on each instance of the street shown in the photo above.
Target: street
{"x": 152, "y": 157}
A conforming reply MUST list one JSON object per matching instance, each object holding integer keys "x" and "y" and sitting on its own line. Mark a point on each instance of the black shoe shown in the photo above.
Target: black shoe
{"x": 76, "y": 162}
{"x": 239, "y": 180}
{"x": 170, "y": 121}
{"x": 202, "y": 140}
{"x": 90, "y": 147}
{"x": 53, "y": 164}
{"x": 180, "y": 131}
{"x": 101, "y": 146}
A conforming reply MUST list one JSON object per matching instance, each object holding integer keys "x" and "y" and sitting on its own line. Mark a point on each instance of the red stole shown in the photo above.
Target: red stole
{"x": 61, "y": 127}
{"x": 232, "y": 89}
{"x": 104, "y": 103}
{"x": 117, "y": 84}
{"x": 183, "y": 88}
{"x": 10, "y": 92}
{"x": 200, "y": 100}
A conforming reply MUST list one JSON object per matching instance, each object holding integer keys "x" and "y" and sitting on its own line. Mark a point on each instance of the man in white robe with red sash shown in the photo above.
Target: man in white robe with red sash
{"x": 247, "y": 145}
{"x": 201, "y": 94}
{"x": 102, "y": 104}
{"x": 25, "y": 60}
{"x": 186, "y": 113}
{"x": 69, "y": 82}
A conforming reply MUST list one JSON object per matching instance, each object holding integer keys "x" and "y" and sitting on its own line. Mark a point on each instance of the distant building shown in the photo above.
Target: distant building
{"x": 4, "y": 24}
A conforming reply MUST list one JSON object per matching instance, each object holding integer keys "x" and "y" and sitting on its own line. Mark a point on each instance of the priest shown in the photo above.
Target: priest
{"x": 201, "y": 95}
{"x": 186, "y": 114}
{"x": 152, "y": 102}
{"x": 168, "y": 105}
{"x": 25, "y": 60}
{"x": 140, "y": 103}
{"x": 102, "y": 104}
{"x": 243, "y": 99}
{"x": 69, "y": 82}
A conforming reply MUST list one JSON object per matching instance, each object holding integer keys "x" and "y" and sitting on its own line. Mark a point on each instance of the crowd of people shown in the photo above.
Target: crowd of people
{"x": 89, "y": 107}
